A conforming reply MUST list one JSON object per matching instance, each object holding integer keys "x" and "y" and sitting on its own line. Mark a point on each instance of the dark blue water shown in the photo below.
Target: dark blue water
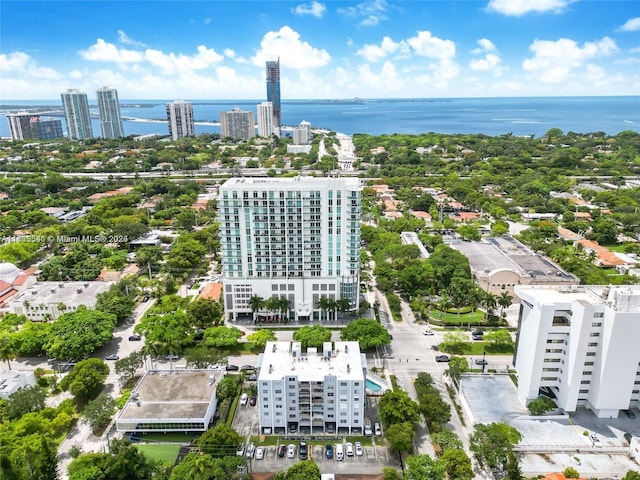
{"x": 490, "y": 116}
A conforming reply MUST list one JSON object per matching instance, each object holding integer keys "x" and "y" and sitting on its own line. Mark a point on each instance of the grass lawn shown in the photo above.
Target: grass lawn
{"x": 164, "y": 452}
{"x": 169, "y": 437}
{"x": 475, "y": 318}
{"x": 476, "y": 348}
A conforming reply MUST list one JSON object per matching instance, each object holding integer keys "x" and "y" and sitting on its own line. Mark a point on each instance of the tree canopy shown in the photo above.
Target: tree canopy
{"x": 368, "y": 332}
{"x": 78, "y": 334}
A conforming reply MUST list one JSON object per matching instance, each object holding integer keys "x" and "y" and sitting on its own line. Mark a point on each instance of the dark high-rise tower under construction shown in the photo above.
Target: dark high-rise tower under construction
{"x": 273, "y": 91}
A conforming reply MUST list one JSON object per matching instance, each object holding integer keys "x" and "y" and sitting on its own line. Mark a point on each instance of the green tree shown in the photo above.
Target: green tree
{"x": 304, "y": 470}
{"x": 312, "y": 336}
{"x": 25, "y": 400}
{"x": 457, "y": 464}
{"x": 504, "y": 300}
{"x": 127, "y": 367}
{"x": 227, "y": 387}
{"x": 99, "y": 411}
{"x": 456, "y": 367}
{"x": 435, "y": 410}
{"x": 86, "y": 379}
{"x": 260, "y": 338}
{"x": 493, "y": 443}
{"x": 541, "y": 406}
{"x": 469, "y": 232}
{"x": 453, "y": 341}
{"x": 571, "y": 472}
{"x": 256, "y": 304}
{"x": 421, "y": 467}
{"x": 203, "y": 357}
{"x": 513, "y": 470}
{"x": 631, "y": 475}
{"x": 222, "y": 336}
{"x": 447, "y": 440}
{"x": 148, "y": 258}
{"x": 78, "y": 334}
{"x": 400, "y": 436}
{"x": 390, "y": 473}
{"x": 368, "y": 332}
{"x": 498, "y": 337}
{"x": 126, "y": 462}
{"x": 8, "y": 350}
{"x": 220, "y": 441}
{"x": 205, "y": 312}
{"x": 397, "y": 407}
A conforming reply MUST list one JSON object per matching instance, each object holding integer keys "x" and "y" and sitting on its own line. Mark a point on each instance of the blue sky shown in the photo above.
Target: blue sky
{"x": 328, "y": 49}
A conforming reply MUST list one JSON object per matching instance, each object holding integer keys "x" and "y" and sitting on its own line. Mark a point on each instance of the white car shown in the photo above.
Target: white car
{"x": 243, "y": 399}
{"x": 291, "y": 451}
{"x": 259, "y": 453}
{"x": 349, "y": 449}
{"x": 250, "y": 450}
{"x": 428, "y": 332}
{"x": 358, "y": 449}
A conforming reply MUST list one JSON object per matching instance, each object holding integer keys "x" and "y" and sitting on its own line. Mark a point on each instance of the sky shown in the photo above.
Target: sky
{"x": 216, "y": 50}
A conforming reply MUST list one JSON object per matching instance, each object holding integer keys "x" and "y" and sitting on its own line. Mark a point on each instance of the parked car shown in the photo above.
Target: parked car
{"x": 243, "y": 399}
{"x": 282, "y": 451}
{"x": 303, "y": 451}
{"x": 428, "y": 333}
{"x": 349, "y": 449}
{"x": 112, "y": 357}
{"x": 135, "y": 338}
{"x": 339, "y": 452}
{"x": 250, "y": 368}
{"x": 328, "y": 451}
{"x": 629, "y": 413}
{"x": 359, "y": 451}
{"x": 442, "y": 358}
{"x": 628, "y": 437}
{"x": 251, "y": 450}
{"x": 291, "y": 451}
{"x": 376, "y": 429}
{"x": 252, "y": 378}
{"x": 259, "y": 453}
{"x": 252, "y": 401}
{"x": 171, "y": 357}
{"x": 477, "y": 335}
{"x": 481, "y": 361}
{"x": 145, "y": 298}
{"x": 232, "y": 368}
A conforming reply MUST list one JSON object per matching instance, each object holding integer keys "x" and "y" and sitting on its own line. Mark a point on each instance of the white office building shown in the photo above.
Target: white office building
{"x": 180, "y": 117}
{"x": 311, "y": 392}
{"x": 265, "y": 119}
{"x": 76, "y": 111}
{"x": 109, "y": 108}
{"x": 580, "y": 344}
{"x": 291, "y": 239}
{"x": 302, "y": 133}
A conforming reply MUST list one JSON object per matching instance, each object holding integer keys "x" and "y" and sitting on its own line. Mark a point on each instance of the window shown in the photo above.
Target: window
{"x": 588, "y": 363}
{"x": 594, "y": 334}
{"x": 591, "y": 354}
{"x": 583, "y": 391}
{"x": 596, "y": 324}
{"x": 598, "y": 315}
{"x": 587, "y": 372}
{"x": 592, "y": 344}
{"x": 585, "y": 382}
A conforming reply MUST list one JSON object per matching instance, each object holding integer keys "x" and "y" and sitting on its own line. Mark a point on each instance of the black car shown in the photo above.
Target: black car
{"x": 145, "y": 298}
{"x": 282, "y": 451}
{"x": 629, "y": 413}
{"x": 302, "y": 453}
{"x": 252, "y": 401}
{"x": 232, "y": 368}
{"x": 442, "y": 358}
{"x": 628, "y": 437}
{"x": 249, "y": 368}
{"x": 329, "y": 451}
{"x": 135, "y": 338}
{"x": 481, "y": 361}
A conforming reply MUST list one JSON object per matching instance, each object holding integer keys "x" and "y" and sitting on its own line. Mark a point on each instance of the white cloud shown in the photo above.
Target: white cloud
{"x": 554, "y": 61}
{"x": 293, "y": 52}
{"x": 172, "y": 63}
{"x": 517, "y": 8}
{"x": 491, "y": 60}
{"x": 426, "y": 45}
{"x": 207, "y": 20}
{"x": 486, "y": 45}
{"x": 228, "y": 52}
{"x": 372, "y": 12}
{"x": 375, "y": 53}
{"x": 125, "y": 39}
{"x": 102, "y": 51}
{"x": 315, "y": 9}
{"x": 19, "y": 63}
{"x": 631, "y": 25}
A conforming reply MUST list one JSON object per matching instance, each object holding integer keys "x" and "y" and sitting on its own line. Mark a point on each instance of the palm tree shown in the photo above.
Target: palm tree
{"x": 489, "y": 301}
{"x": 7, "y": 351}
{"x": 323, "y": 305}
{"x": 256, "y": 304}
{"x": 283, "y": 307}
{"x": 272, "y": 304}
{"x": 444, "y": 303}
{"x": 343, "y": 305}
{"x": 332, "y": 306}
{"x": 504, "y": 300}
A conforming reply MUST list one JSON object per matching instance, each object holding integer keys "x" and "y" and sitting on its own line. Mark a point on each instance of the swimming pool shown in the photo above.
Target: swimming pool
{"x": 373, "y": 386}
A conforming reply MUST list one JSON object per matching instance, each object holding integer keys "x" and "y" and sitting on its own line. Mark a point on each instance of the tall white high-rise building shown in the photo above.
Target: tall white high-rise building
{"x": 180, "y": 117}
{"x": 237, "y": 124}
{"x": 295, "y": 240}
{"x": 302, "y": 133}
{"x": 311, "y": 392}
{"x": 265, "y": 119}
{"x": 109, "y": 108}
{"x": 580, "y": 345}
{"x": 76, "y": 112}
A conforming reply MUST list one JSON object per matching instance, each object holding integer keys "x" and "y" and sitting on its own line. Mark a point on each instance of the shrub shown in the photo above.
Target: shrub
{"x": 571, "y": 472}
{"x": 541, "y": 405}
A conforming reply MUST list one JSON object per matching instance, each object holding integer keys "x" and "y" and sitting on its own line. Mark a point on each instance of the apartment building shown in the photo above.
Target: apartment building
{"x": 180, "y": 117}
{"x": 265, "y": 119}
{"x": 311, "y": 392}
{"x": 76, "y": 111}
{"x": 579, "y": 345}
{"x": 292, "y": 239}
{"x": 237, "y": 124}
{"x": 109, "y": 108}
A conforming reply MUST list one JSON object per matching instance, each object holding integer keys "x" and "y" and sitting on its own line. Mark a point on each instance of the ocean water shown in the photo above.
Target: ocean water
{"x": 490, "y": 116}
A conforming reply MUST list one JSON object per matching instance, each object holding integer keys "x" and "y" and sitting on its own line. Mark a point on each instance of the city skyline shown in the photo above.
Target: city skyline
{"x": 330, "y": 49}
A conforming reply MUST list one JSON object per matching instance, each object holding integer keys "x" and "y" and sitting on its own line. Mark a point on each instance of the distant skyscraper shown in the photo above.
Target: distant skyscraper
{"x": 24, "y": 126}
{"x": 109, "y": 107}
{"x": 265, "y": 119}
{"x": 20, "y": 125}
{"x": 273, "y": 92}
{"x": 237, "y": 124}
{"x": 180, "y": 116}
{"x": 302, "y": 133}
{"x": 76, "y": 112}
{"x": 46, "y": 129}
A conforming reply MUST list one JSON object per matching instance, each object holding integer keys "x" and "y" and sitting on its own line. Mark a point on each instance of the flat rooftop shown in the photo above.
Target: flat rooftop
{"x": 491, "y": 398}
{"x": 172, "y": 394}
{"x": 73, "y": 293}
{"x": 344, "y": 361}
{"x": 506, "y": 253}
{"x": 586, "y": 294}
{"x": 288, "y": 182}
